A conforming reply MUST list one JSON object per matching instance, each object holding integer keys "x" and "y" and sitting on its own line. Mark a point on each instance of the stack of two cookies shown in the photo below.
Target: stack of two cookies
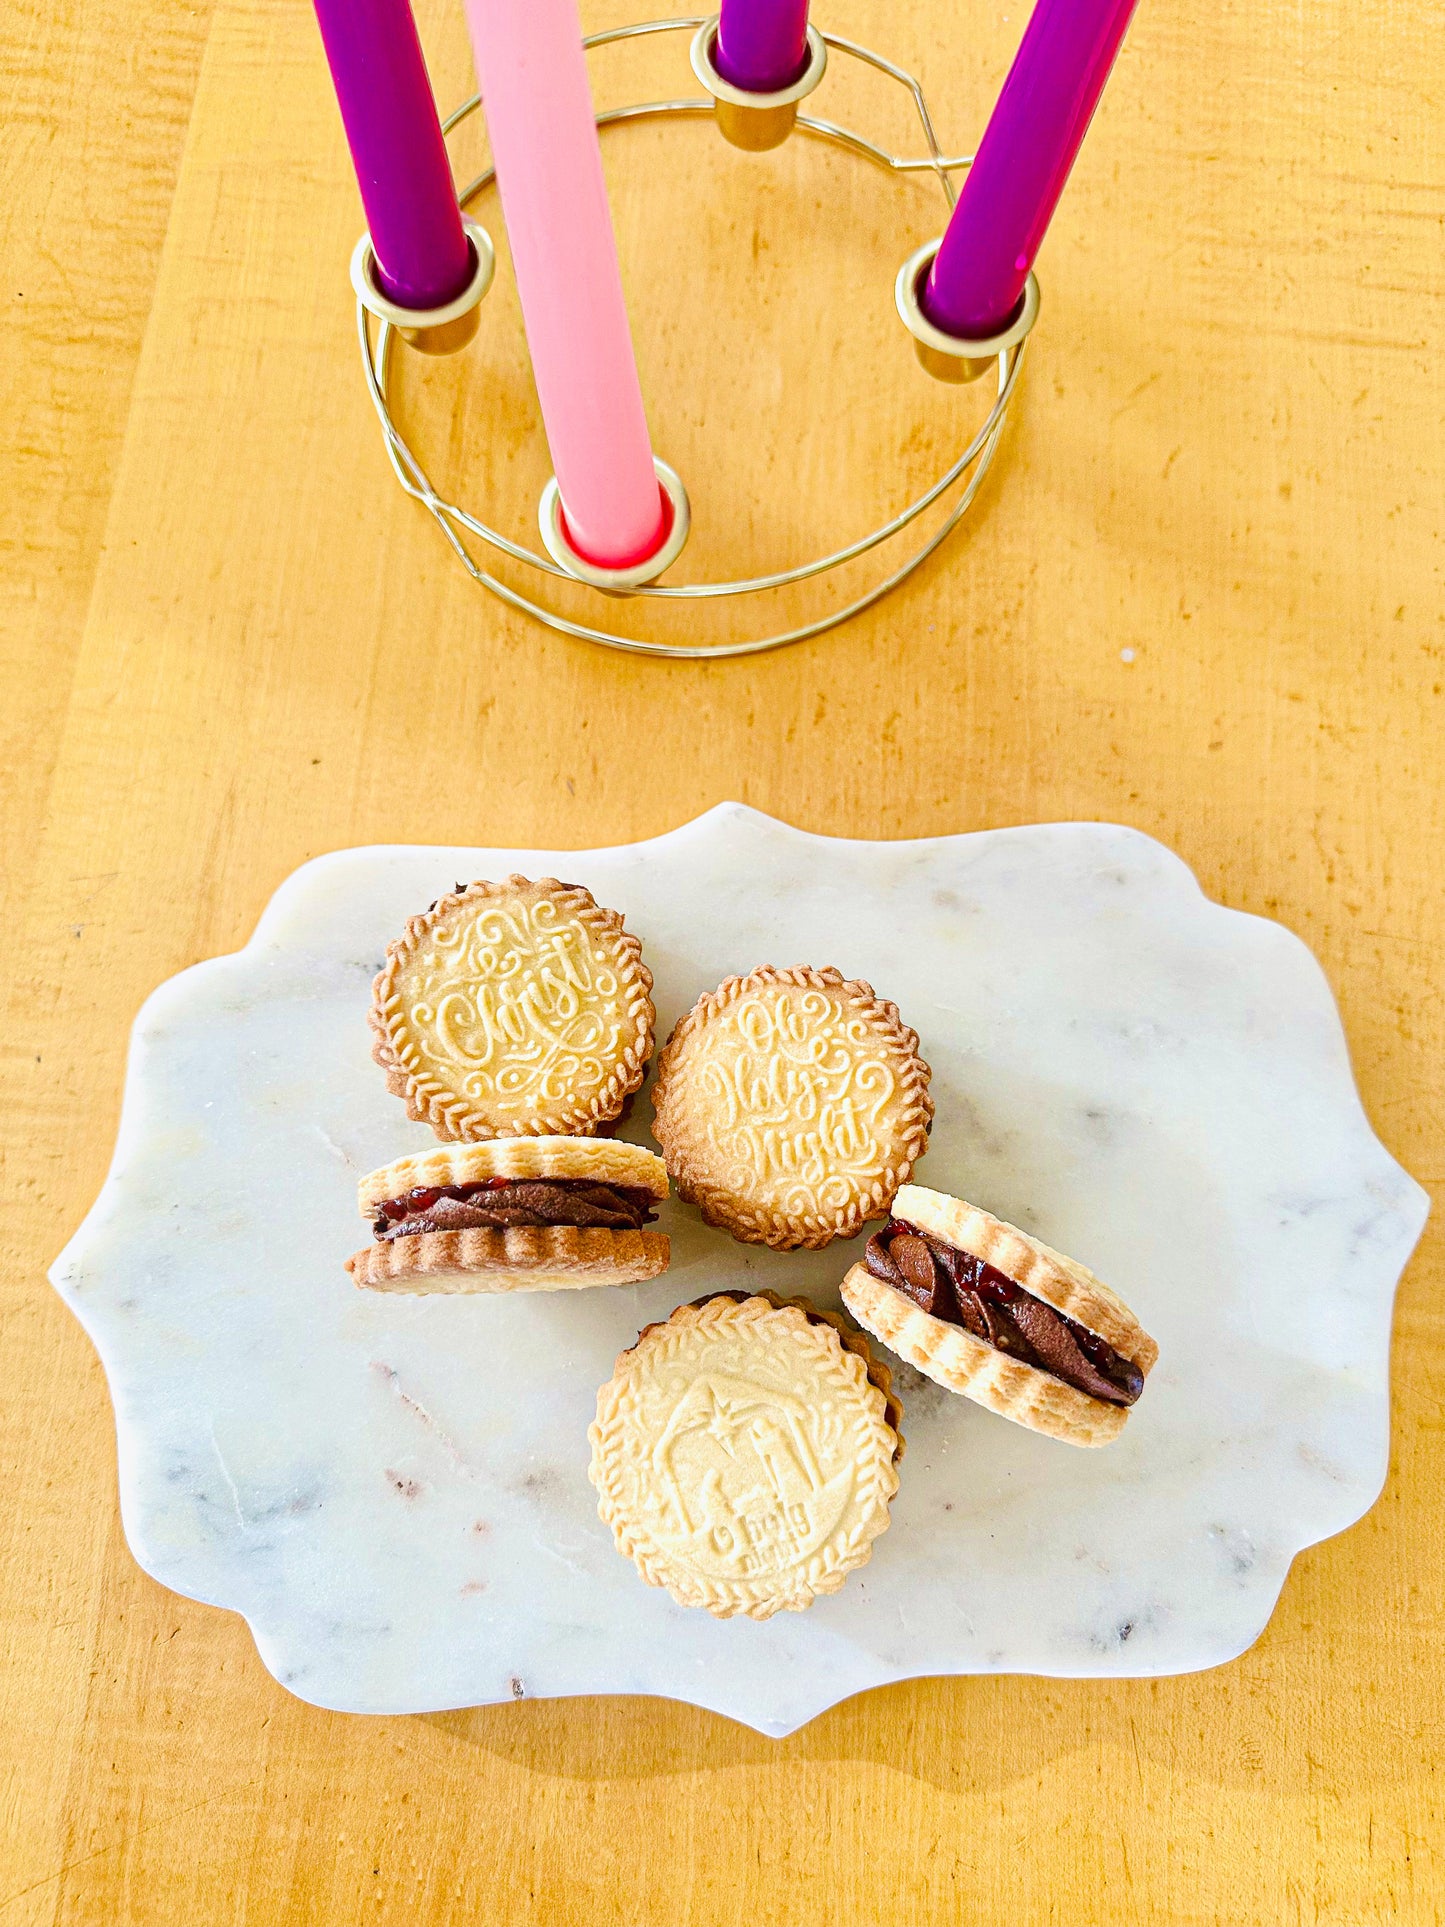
{"x": 516, "y": 1019}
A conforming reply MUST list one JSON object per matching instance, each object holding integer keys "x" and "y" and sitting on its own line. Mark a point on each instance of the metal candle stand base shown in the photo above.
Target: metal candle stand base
{"x": 754, "y": 122}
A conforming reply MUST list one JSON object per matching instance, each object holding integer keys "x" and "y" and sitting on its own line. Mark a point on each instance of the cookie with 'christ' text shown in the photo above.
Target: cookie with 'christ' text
{"x": 514, "y": 1009}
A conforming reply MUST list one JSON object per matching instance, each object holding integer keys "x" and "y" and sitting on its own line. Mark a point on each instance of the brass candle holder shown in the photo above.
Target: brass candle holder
{"x": 432, "y": 331}
{"x": 955, "y": 358}
{"x": 558, "y": 542}
{"x": 755, "y": 123}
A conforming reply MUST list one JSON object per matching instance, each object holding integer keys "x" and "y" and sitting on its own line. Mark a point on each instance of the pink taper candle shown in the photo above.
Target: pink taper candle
{"x": 1010, "y": 193}
{"x": 538, "y": 105}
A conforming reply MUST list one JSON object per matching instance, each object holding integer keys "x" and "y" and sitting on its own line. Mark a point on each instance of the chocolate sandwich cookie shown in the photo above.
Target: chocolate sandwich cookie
{"x": 988, "y": 1311}
{"x": 514, "y": 1009}
{"x": 744, "y": 1453}
{"x": 515, "y": 1214}
{"x": 790, "y": 1105}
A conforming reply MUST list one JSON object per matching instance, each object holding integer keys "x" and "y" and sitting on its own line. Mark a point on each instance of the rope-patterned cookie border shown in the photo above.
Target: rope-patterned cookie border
{"x": 515, "y": 1250}
{"x": 598, "y": 1160}
{"x": 827, "y": 1567}
{"x": 429, "y": 1101}
{"x": 785, "y": 1231}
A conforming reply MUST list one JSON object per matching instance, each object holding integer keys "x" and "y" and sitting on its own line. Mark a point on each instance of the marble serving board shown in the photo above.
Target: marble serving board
{"x": 394, "y": 1491}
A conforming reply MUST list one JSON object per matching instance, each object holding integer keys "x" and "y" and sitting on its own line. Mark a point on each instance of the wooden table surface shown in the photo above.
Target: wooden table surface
{"x": 1202, "y": 595}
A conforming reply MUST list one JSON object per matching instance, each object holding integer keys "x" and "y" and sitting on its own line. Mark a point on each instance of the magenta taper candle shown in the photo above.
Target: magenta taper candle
{"x": 387, "y": 108}
{"x": 762, "y": 45}
{"x": 1010, "y": 193}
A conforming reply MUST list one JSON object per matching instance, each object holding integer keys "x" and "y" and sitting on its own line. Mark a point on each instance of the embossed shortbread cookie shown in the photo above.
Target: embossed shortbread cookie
{"x": 598, "y": 1160}
{"x": 744, "y": 1455}
{"x": 790, "y": 1105}
{"x": 1002, "y": 1318}
{"x": 514, "y": 1009}
{"x": 526, "y": 1258}
{"x": 514, "y": 1214}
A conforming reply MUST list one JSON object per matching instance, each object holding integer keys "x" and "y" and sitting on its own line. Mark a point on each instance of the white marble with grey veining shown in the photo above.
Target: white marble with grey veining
{"x": 394, "y": 1491}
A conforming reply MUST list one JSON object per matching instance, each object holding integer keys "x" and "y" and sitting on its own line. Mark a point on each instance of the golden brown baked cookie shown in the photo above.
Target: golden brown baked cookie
{"x": 1002, "y": 1318}
{"x": 514, "y": 1009}
{"x": 514, "y": 1214}
{"x": 525, "y": 1258}
{"x": 790, "y": 1105}
{"x": 744, "y": 1454}
{"x": 596, "y": 1160}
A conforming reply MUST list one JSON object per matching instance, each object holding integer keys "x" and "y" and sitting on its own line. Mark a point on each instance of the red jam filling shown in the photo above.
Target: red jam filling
{"x": 496, "y": 1203}
{"x": 962, "y": 1289}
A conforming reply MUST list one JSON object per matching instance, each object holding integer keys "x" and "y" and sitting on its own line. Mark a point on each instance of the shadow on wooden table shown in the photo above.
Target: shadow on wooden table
{"x": 966, "y": 1734}
{"x": 977, "y": 1735}
{"x": 901, "y": 1726}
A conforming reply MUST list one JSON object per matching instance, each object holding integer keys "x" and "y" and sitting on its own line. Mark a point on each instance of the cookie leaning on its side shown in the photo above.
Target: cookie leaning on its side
{"x": 989, "y": 1312}
{"x": 515, "y": 1214}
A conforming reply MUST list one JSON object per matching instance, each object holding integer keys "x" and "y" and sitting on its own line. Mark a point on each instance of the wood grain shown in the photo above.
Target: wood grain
{"x": 1203, "y": 596}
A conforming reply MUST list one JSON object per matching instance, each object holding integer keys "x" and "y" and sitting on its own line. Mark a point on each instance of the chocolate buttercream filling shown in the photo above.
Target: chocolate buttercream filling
{"x": 962, "y": 1290}
{"x": 495, "y": 1203}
